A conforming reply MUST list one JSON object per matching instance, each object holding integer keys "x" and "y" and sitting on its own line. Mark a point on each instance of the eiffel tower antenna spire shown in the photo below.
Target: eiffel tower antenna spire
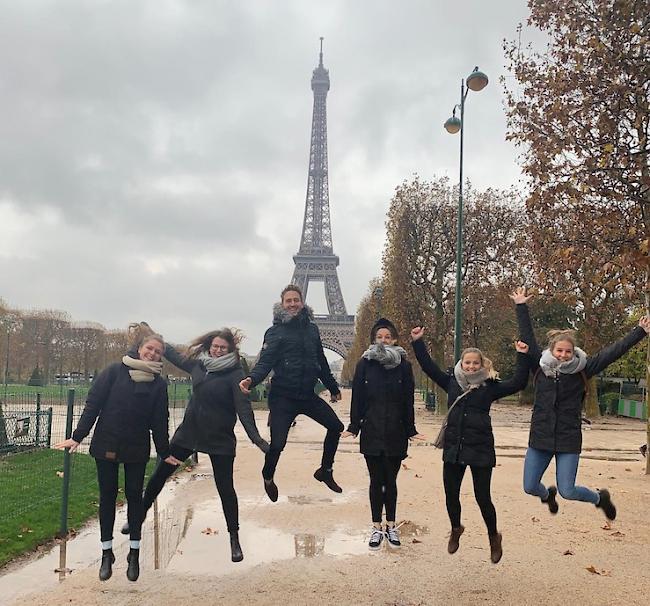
{"x": 315, "y": 260}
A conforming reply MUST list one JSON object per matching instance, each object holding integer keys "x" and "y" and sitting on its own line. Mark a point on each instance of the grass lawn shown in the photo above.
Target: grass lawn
{"x": 30, "y": 503}
{"x": 178, "y": 392}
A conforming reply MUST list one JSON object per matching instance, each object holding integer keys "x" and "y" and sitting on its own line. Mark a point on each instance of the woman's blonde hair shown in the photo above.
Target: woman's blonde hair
{"x": 485, "y": 362}
{"x": 140, "y": 333}
{"x": 555, "y": 336}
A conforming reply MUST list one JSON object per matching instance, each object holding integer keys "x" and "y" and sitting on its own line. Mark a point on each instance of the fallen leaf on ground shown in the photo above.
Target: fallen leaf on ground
{"x": 568, "y": 552}
{"x": 617, "y": 533}
{"x": 59, "y": 473}
{"x": 209, "y": 530}
{"x": 602, "y": 573}
{"x": 404, "y": 466}
{"x": 606, "y": 526}
{"x": 534, "y": 519}
{"x": 414, "y": 540}
{"x": 418, "y": 475}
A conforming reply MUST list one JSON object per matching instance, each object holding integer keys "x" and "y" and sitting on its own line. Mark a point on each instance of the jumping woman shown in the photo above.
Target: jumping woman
{"x": 468, "y": 439}
{"x": 560, "y": 375}
{"x": 128, "y": 400}
{"x": 208, "y": 425}
{"x": 382, "y": 410}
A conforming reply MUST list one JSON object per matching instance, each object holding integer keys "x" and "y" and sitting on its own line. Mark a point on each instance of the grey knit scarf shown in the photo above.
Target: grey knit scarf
{"x": 216, "y": 364}
{"x": 551, "y": 366}
{"x": 470, "y": 380}
{"x": 389, "y": 356}
{"x": 142, "y": 371}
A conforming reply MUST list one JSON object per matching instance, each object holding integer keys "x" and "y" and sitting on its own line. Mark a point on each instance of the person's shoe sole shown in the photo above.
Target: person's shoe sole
{"x": 329, "y": 482}
{"x": 551, "y": 500}
{"x": 373, "y": 548}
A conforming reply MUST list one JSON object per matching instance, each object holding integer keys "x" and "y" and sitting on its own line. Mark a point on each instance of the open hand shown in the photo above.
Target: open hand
{"x": 172, "y": 460}
{"x": 347, "y": 434}
{"x": 521, "y": 347}
{"x": 69, "y": 443}
{"x": 416, "y": 333}
{"x": 519, "y": 295}
{"x": 645, "y": 323}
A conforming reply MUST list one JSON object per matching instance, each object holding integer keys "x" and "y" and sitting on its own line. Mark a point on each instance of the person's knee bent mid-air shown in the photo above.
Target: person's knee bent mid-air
{"x": 293, "y": 350}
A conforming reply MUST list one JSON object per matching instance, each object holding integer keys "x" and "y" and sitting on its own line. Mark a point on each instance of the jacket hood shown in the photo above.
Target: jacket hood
{"x": 282, "y": 316}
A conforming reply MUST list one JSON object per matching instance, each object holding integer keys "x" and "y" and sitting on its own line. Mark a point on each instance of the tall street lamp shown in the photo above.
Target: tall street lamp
{"x": 476, "y": 81}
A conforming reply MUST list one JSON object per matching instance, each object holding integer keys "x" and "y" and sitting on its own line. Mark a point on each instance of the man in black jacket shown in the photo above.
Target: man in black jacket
{"x": 293, "y": 350}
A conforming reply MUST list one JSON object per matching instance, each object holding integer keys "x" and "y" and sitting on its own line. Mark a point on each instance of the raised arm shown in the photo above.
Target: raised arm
{"x": 179, "y": 360}
{"x": 601, "y": 360}
{"x": 526, "y": 332}
{"x": 246, "y": 415}
{"x": 431, "y": 369}
{"x": 519, "y": 380}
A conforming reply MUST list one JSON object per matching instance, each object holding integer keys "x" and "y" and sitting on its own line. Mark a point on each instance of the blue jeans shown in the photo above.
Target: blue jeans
{"x": 566, "y": 468}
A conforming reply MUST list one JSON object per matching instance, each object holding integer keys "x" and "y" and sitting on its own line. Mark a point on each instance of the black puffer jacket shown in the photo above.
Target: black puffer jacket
{"x": 127, "y": 411}
{"x": 293, "y": 350}
{"x": 556, "y": 423}
{"x": 468, "y": 438}
{"x": 382, "y": 407}
{"x": 209, "y": 421}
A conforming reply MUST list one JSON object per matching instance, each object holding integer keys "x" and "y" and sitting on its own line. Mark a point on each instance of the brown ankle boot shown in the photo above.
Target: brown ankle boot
{"x": 495, "y": 547}
{"x": 454, "y": 539}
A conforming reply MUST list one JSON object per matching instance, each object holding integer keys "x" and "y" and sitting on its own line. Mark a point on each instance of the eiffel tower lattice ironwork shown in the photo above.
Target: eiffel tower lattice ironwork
{"x": 315, "y": 260}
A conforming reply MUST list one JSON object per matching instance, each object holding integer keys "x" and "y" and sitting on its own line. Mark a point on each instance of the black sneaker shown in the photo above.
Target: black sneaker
{"x": 271, "y": 489}
{"x": 392, "y": 536}
{"x": 326, "y": 476}
{"x": 376, "y": 537}
{"x": 551, "y": 501}
{"x": 605, "y": 503}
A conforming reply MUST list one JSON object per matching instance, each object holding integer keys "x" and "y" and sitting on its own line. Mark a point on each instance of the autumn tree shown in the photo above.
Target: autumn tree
{"x": 579, "y": 112}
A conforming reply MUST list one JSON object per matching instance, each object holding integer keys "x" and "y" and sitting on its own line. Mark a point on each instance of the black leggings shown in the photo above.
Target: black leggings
{"x": 107, "y": 474}
{"x": 283, "y": 413}
{"x": 383, "y": 472}
{"x": 222, "y": 469}
{"x": 452, "y": 474}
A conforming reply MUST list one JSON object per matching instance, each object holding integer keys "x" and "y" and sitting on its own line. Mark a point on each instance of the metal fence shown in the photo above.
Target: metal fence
{"x": 39, "y": 484}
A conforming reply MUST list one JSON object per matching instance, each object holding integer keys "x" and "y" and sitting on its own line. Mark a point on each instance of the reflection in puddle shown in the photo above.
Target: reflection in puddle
{"x": 206, "y": 553}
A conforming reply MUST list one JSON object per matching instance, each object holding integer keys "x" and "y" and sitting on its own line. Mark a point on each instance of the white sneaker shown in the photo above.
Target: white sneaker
{"x": 376, "y": 538}
{"x": 392, "y": 536}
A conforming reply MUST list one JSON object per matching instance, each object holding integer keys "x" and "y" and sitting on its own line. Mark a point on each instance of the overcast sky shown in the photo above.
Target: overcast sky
{"x": 153, "y": 154}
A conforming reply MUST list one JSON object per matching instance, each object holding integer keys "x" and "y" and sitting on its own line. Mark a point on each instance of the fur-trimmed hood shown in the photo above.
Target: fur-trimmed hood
{"x": 282, "y": 316}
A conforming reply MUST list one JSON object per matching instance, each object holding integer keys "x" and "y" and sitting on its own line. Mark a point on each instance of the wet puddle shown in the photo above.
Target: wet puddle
{"x": 205, "y": 547}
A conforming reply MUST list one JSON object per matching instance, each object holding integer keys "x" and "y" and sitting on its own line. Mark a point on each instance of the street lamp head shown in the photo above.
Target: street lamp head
{"x": 477, "y": 80}
{"x": 452, "y": 125}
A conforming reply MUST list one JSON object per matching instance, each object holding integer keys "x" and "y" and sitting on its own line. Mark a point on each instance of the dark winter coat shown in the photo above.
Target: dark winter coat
{"x": 293, "y": 350}
{"x": 209, "y": 421}
{"x": 127, "y": 412}
{"x": 382, "y": 408}
{"x": 468, "y": 438}
{"x": 556, "y": 423}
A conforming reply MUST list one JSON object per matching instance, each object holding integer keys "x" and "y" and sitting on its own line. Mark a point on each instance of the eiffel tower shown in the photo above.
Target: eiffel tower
{"x": 315, "y": 260}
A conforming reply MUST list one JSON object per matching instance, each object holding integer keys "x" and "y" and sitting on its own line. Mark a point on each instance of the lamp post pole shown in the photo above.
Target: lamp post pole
{"x": 476, "y": 81}
{"x": 458, "y": 310}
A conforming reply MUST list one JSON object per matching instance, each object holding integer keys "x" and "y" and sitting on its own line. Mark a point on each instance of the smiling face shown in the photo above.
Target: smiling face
{"x": 219, "y": 347}
{"x": 292, "y": 302}
{"x": 384, "y": 337}
{"x": 471, "y": 362}
{"x": 563, "y": 351}
{"x": 151, "y": 351}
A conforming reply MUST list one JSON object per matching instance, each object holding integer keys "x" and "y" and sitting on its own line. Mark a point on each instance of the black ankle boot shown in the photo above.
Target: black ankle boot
{"x": 237, "y": 554}
{"x": 106, "y": 567}
{"x": 326, "y": 476}
{"x": 271, "y": 489}
{"x": 133, "y": 569}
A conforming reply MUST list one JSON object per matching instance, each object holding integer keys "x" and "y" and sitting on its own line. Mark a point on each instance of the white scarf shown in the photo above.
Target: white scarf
{"x": 143, "y": 370}
{"x": 469, "y": 380}
{"x": 216, "y": 364}
{"x": 551, "y": 366}
{"x": 389, "y": 356}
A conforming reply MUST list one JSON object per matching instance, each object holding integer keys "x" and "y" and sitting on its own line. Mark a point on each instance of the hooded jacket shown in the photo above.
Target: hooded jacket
{"x": 293, "y": 350}
{"x": 556, "y": 423}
